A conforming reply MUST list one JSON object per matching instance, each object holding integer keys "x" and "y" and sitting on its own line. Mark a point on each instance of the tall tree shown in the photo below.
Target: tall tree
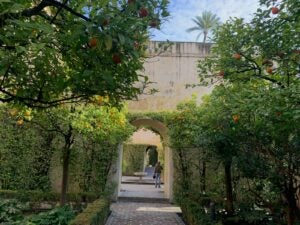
{"x": 204, "y": 24}
{"x": 66, "y": 51}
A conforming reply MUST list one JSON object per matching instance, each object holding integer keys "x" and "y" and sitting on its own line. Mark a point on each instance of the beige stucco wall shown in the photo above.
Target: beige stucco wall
{"x": 171, "y": 71}
{"x": 149, "y": 138}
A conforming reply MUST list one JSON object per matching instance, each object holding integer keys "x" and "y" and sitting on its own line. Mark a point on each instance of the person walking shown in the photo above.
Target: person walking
{"x": 157, "y": 174}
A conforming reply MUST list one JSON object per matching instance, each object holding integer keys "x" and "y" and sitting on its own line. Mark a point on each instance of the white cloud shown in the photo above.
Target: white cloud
{"x": 183, "y": 11}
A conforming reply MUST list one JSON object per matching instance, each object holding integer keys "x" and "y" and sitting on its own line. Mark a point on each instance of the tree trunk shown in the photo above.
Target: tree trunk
{"x": 228, "y": 185}
{"x": 203, "y": 43}
{"x": 184, "y": 172}
{"x": 204, "y": 37}
{"x": 292, "y": 211}
{"x": 69, "y": 139}
{"x": 202, "y": 168}
{"x": 65, "y": 176}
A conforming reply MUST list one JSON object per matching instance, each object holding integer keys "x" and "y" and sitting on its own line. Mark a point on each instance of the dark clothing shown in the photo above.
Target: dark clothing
{"x": 158, "y": 169}
{"x": 157, "y": 172}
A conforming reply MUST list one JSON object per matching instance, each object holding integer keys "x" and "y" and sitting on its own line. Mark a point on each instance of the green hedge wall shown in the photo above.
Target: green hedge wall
{"x": 38, "y": 196}
{"x": 133, "y": 158}
{"x": 96, "y": 213}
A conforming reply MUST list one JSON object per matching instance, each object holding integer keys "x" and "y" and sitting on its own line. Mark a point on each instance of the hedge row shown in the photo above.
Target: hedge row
{"x": 39, "y": 196}
{"x": 96, "y": 213}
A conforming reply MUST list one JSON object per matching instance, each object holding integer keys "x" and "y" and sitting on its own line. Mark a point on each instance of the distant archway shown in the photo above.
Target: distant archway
{"x": 151, "y": 156}
{"x": 161, "y": 129}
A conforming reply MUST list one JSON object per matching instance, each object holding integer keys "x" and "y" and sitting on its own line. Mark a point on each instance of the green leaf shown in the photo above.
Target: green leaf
{"x": 16, "y": 7}
{"x": 108, "y": 42}
{"x": 122, "y": 39}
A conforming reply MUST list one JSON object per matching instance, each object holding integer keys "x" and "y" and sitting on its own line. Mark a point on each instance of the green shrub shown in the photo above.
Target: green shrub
{"x": 57, "y": 216}
{"x": 95, "y": 214}
{"x": 61, "y": 216}
{"x": 194, "y": 214}
{"x": 10, "y": 210}
{"x": 38, "y": 196}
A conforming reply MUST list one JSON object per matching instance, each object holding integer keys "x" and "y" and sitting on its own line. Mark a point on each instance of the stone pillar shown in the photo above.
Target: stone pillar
{"x": 171, "y": 170}
{"x": 168, "y": 173}
{"x": 145, "y": 159}
{"x": 117, "y": 173}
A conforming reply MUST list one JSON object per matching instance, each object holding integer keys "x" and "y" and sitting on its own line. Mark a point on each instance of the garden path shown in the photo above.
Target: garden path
{"x": 140, "y": 203}
{"x": 141, "y": 213}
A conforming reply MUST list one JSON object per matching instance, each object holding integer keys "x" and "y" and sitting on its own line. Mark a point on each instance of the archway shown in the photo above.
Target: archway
{"x": 159, "y": 128}
{"x": 151, "y": 156}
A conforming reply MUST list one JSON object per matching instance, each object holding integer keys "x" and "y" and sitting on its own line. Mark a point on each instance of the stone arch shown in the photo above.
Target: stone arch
{"x": 156, "y": 125}
{"x": 161, "y": 129}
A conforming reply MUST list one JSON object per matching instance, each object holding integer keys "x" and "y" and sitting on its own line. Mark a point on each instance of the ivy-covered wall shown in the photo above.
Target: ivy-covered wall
{"x": 33, "y": 149}
{"x": 24, "y": 153}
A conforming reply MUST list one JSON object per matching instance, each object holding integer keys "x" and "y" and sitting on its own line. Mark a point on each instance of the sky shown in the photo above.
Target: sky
{"x": 183, "y": 11}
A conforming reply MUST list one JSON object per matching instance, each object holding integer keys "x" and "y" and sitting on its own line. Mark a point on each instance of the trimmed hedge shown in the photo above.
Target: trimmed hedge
{"x": 39, "y": 196}
{"x": 133, "y": 158}
{"x": 96, "y": 213}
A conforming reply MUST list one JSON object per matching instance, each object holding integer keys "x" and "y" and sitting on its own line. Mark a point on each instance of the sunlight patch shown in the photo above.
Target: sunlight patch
{"x": 160, "y": 209}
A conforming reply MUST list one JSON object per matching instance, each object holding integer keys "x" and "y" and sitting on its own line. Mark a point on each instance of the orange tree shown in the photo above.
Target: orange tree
{"x": 202, "y": 137}
{"x": 252, "y": 129}
{"x": 259, "y": 124}
{"x": 182, "y": 125}
{"x": 267, "y": 48}
{"x": 102, "y": 130}
{"x": 66, "y": 51}
{"x": 269, "y": 147}
{"x": 90, "y": 131}
{"x": 264, "y": 53}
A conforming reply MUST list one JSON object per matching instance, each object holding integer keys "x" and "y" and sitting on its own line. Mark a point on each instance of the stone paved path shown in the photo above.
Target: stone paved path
{"x": 142, "y": 191}
{"x": 132, "y": 213}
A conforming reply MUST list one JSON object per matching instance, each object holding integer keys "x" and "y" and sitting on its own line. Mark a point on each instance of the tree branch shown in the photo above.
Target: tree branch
{"x": 58, "y": 11}
{"x": 5, "y": 75}
{"x": 62, "y": 5}
{"x": 26, "y": 13}
{"x": 39, "y": 103}
{"x": 270, "y": 79}
{"x": 36, "y": 10}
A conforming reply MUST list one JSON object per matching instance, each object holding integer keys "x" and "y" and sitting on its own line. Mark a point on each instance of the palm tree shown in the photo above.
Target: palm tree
{"x": 204, "y": 24}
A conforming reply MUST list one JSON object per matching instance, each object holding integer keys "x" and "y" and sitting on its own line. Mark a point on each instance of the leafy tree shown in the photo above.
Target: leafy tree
{"x": 252, "y": 129}
{"x": 266, "y": 48}
{"x": 182, "y": 128}
{"x": 204, "y": 23}
{"x": 254, "y": 125}
{"x": 66, "y": 51}
{"x": 102, "y": 130}
{"x": 87, "y": 135}
{"x": 271, "y": 144}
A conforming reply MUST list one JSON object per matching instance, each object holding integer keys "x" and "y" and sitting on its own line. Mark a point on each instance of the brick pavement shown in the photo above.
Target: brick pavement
{"x": 133, "y": 213}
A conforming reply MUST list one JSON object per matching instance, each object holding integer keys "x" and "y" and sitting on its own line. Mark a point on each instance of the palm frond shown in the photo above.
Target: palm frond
{"x": 204, "y": 23}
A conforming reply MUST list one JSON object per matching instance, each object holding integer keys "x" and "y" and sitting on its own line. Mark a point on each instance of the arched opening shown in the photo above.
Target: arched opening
{"x": 151, "y": 145}
{"x": 151, "y": 156}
